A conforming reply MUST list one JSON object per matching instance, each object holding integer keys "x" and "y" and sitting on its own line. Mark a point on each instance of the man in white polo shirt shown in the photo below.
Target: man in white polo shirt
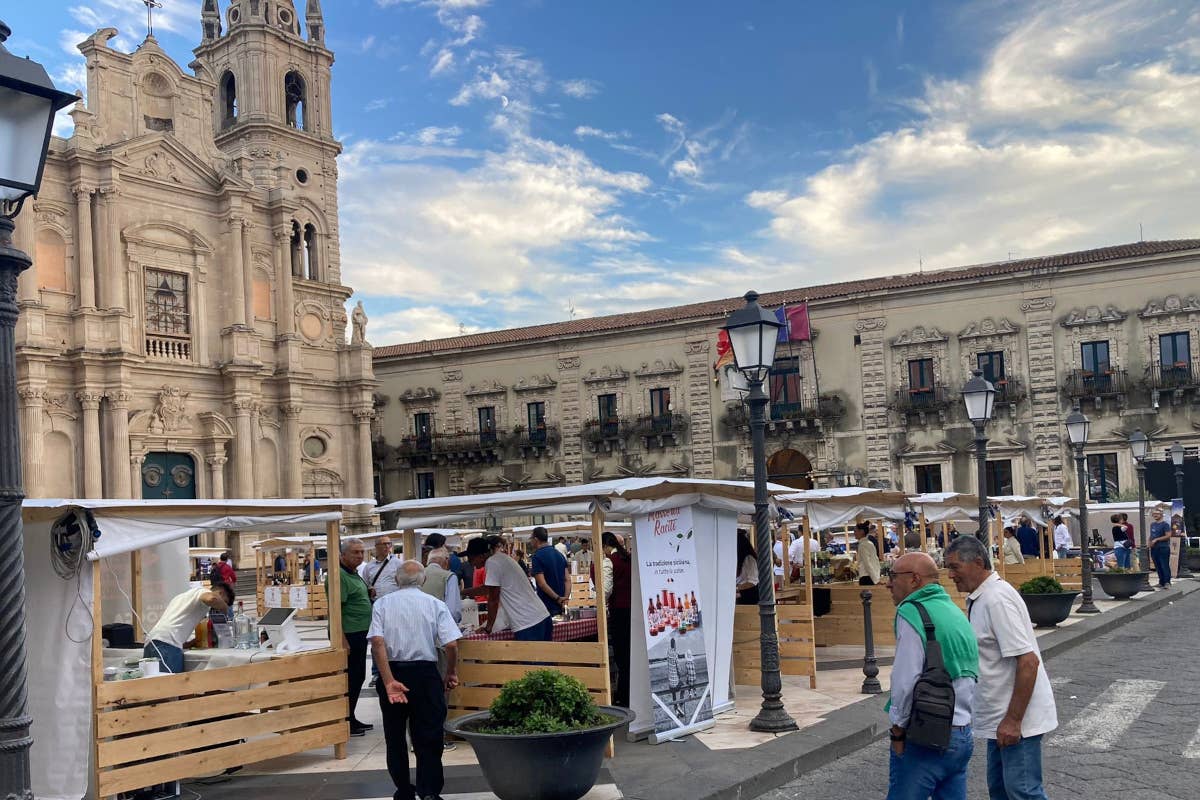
{"x": 1014, "y": 704}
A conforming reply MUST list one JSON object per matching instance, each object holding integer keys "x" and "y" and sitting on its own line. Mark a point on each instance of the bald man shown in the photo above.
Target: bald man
{"x": 917, "y": 772}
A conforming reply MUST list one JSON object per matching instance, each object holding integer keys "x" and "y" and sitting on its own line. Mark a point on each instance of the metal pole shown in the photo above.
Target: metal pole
{"x": 15, "y": 740}
{"x": 870, "y": 684}
{"x": 1181, "y": 570}
{"x": 1087, "y": 606}
{"x": 1144, "y": 555}
{"x": 771, "y": 718}
{"x": 981, "y": 462}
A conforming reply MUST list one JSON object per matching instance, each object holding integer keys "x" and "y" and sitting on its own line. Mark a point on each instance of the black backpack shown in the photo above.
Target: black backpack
{"x": 932, "y": 717}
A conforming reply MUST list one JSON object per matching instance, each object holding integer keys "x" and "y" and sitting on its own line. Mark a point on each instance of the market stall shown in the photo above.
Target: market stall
{"x": 1040, "y": 511}
{"x": 713, "y": 505}
{"x": 202, "y": 559}
{"x": 301, "y": 582}
{"x": 936, "y": 511}
{"x": 101, "y": 738}
{"x": 583, "y": 591}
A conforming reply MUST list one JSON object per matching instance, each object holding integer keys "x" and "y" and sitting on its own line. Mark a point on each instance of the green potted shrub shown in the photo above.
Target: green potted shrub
{"x": 1121, "y": 583}
{"x": 542, "y": 739}
{"x": 1048, "y": 604}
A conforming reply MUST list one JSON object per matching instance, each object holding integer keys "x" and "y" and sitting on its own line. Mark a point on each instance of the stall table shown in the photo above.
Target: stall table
{"x": 573, "y": 630}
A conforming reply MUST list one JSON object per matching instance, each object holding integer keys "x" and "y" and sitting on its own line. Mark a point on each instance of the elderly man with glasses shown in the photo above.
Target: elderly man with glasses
{"x": 917, "y": 772}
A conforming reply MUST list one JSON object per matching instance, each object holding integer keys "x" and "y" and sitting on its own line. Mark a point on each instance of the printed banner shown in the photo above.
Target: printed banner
{"x": 672, "y": 617}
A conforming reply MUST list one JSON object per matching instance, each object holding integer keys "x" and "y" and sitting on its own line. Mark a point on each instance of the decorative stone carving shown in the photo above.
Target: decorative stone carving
{"x": 452, "y": 375}
{"x": 170, "y": 413}
{"x": 1171, "y": 304}
{"x": 421, "y": 394}
{"x": 31, "y": 395}
{"x": 606, "y": 375}
{"x": 571, "y": 362}
{"x": 1092, "y": 315}
{"x": 119, "y": 398}
{"x": 871, "y": 324}
{"x": 182, "y": 475}
{"x": 697, "y": 347}
{"x": 1037, "y": 304}
{"x": 89, "y": 400}
{"x": 534, "y": 384}
{"x": 358, "y": 320}
{"x": 658, "y": 368}
{"x": 919, "y": 335}
{"x": 988, "y": 327}
{"x": 486, "y": 388}
{"x": 157, "y": 165}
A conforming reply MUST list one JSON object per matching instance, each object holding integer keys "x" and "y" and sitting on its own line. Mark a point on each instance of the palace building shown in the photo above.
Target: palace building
{"x": 182, "y": 332}
{"x": 873, "y": 398}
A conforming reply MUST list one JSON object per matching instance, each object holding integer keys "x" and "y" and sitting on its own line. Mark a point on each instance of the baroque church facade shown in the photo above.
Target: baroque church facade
{"x": 182, "y": 331}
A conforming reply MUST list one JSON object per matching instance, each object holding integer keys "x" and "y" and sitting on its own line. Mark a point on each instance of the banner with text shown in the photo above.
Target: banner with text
{"x": 672, "y": 617}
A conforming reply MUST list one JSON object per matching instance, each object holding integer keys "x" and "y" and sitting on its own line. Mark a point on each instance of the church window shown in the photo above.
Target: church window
{"x": 310, "y": 253}
{"x": 167, "y": 309}
{"x": 296, "y": 96}
{"x": 229, "y": 103}
{"x": 297, "y": 250}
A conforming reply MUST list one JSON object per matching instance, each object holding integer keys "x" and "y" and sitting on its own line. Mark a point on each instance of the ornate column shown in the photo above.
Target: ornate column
{"x": 243, "y": 447}
{"x": 84, "y": 258}
{"x": 93, "y": 468}
{"x": 366, "y": 465}
{"x": 216, "y": 472}
{"x": 135, "y": 476}
{"x": 237, "y": 287}
{"x": 32, "y": 408}
{"x": 292, "y": 477}
{"x": 247, "y": 276}
{"x": 118, "y": 424}
{"x": 112, "y": 279}
{"x": 284, "y": 312}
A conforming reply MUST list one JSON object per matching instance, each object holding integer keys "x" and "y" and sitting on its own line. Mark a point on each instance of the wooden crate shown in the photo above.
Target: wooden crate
{"x": 797, "y": 643}
{"x": 173, "y": 727}
{"x": 484, "y": 666}
{"x": 844, "y": 622}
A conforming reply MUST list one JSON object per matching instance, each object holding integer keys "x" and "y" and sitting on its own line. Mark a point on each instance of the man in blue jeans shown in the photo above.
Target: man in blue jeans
{"x": 1014, "y": 705}
{"x": 165, "y": 641}
{"x": 917, "y": 772}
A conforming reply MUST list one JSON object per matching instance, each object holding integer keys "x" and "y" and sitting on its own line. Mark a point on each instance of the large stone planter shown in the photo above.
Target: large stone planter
{"x": 1047, "y": 610}
{"x": 1121, "y": 585}
{"x": 546, "y": 766}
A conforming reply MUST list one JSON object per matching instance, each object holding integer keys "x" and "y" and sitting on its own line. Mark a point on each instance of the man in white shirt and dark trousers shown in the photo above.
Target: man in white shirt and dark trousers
{"x": 1062, "y": 538}
{"x": 510, "y": 591}
{"x": 407, "y": 628}
{"x": 380, "y": 577}
{"x": 1014, "y": 704}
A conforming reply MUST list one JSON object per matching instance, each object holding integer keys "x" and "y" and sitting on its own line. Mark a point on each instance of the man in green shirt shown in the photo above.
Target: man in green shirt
{"x": 356, "y": 620}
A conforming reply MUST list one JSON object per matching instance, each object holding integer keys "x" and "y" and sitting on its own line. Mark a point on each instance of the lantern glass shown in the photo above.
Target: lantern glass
{"x": 753, "y": 334}
{"x": 979, "y": 395}
{"x": 1139, "y": 445}
{"x": 1078, "y": 427}
{"x": 1177, "y": 454}
{"x": 25, "y": 122}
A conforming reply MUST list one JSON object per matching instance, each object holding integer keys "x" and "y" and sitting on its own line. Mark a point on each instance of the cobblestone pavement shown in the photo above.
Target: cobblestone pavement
{"x": 1129, "y": 722}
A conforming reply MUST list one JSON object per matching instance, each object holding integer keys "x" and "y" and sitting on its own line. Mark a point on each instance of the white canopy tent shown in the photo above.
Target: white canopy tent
{"x": 946, "y": 506}
{"x": 60, "y": 610}
{"x": 832, "y": 508}
{"x": 558, "y": 530}
{"x": 1041, "y": 510}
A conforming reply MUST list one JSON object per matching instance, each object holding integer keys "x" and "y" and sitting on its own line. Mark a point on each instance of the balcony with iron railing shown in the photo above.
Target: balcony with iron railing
{"x": 607, "y": 434}
{"x": 415, "y": 450}
{"x": 791, "y": 418}
{"x": 537, "y": 441}
{"x": 1009, "y": 391}
{"x": 1181, "y": 376}
{"x": 1096, "y": 384}
{"x": 466, "y": 447}
{"x": 923, "y": 400}
{"x": 661, "y": 430}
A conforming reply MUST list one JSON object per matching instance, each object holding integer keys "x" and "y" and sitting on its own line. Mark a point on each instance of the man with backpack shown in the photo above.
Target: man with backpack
{"x": 933, "y": 686}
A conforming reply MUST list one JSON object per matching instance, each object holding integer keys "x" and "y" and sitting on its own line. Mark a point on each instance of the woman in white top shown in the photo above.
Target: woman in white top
{"x": 747, "y": 577}
{"x": 1012, "y": 547}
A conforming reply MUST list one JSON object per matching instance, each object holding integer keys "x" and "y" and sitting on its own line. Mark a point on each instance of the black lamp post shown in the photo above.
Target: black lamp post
{"x": 1139, "y": 446}
{"x": 753, "y": 334}
{"x": 980, "y": 397}
{"x": 1177, "y": 459}
{"x": 28, "y": 103}
{"x": 1078, "y": 427}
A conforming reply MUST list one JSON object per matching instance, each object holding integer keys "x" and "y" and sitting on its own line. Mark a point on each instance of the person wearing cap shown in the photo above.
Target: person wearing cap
{"x": 509, "y": 591}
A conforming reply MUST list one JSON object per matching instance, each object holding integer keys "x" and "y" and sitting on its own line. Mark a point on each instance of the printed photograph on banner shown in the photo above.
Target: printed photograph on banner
{"x": 673, "y": 620}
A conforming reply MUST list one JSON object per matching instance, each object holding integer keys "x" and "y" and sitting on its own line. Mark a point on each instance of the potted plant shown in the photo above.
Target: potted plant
{"x": 542, "y": 739}
{"x": 1120, "y": 583}
{"x": 1048, "y": 604}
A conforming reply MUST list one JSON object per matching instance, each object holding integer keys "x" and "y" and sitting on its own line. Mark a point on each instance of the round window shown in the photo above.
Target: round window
{"x": 234, "y": 15}
{"x": 285, "y": 16}
{"x": 302, "y": 176}
{"x": 315, "y": 447}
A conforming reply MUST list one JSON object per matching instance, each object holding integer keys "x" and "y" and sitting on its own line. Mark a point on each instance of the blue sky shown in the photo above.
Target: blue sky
{"x": 515, "y": 162}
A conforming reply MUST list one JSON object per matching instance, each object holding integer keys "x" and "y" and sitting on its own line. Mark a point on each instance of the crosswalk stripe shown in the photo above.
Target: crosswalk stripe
{"x": 1105, "y": 720}
{"x": 1193, "y": 747}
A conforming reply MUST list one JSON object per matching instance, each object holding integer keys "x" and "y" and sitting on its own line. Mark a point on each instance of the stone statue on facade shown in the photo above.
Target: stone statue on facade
{"x": 358, "y": 321}
{"x": 170, "y": 413}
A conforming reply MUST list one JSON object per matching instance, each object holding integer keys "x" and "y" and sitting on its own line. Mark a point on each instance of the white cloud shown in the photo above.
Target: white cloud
{"x": 432, "y": 135}
{"x": 414, "y": 324}
{"x": 1083, "y": 121}
{"x": 443, "y": 62}
{"x": 588, "y": 132}
{"x": 580, "y": 88}
{"x": 687, "y": 153}
{"x": 378, "y": 104}
{"x": 367, "y": 44}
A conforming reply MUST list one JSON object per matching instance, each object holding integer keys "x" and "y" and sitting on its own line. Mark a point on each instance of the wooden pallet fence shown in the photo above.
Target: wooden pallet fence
{"x": 178, "y": 726}
{"x": 485, "y": 666}
{"x": 797, "y": 643}
{"x": 843, "y": 625}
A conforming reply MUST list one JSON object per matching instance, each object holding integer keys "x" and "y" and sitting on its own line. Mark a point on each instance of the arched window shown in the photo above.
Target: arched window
{"x": 311, "y": 261}
{"x": 295, "y": 93}
{"x": 229, "y": 104}
{"x": 297, "y": 250}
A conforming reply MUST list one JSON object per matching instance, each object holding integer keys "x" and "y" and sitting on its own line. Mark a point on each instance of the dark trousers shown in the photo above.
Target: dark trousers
{"x": 424, "y": 714}
{"x": 1162, "y": 562}
{"x": 542, "y": 632}
{"x": 356, "y": 666}
{"x": 619, "y": 632}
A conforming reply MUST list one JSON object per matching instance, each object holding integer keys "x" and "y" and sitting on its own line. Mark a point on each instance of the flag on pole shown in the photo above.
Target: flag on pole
{"x": 724, "y": 351}
{"x": 795, "y": 323}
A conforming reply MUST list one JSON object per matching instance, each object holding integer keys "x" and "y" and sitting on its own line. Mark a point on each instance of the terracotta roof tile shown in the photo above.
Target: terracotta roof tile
{"x": 718, "y": 308}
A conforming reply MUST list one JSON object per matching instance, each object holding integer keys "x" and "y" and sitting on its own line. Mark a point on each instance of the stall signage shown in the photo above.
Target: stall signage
{"x": 672, "y": 617}
{"x": 298, "y": 596}
{"x": 273, "y": 596}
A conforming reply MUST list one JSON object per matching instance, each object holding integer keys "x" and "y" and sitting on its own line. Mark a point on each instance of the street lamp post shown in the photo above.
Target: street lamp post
{"x": 979, "y": 395}
{"x": 1177, "y": 459}
{"x": 1139, "y": 445}
{"x": 1078, "y": 427}
{"x": 28, "y": 103}
{"x": 753, "y": 334}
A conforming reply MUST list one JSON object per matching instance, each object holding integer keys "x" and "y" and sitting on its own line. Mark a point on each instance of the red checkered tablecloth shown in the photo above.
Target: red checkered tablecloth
{"x": 565, "y": 631}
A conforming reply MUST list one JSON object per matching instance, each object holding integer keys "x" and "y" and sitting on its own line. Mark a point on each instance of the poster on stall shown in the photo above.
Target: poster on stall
{"x": 298, "y": 596}
{"x": 273, "y": 596}
{"x": 672, "y": 623}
